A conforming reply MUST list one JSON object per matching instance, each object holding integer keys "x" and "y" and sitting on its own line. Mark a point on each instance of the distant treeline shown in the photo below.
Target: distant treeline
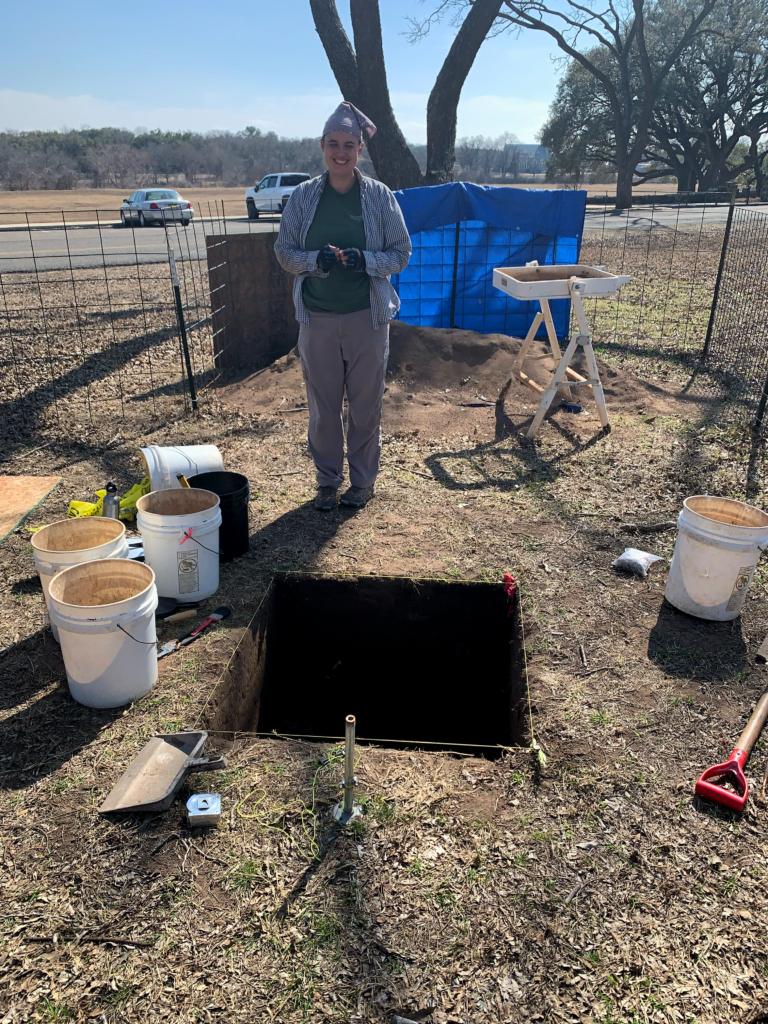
{"x": 116, "y": 158}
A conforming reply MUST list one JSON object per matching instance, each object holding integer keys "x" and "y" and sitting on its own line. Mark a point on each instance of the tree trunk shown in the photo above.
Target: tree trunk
{"x": 624, "y": 173}
{"x": 362, "y": 78}
{"x": 757, "y": 165}
{"x": 445, "y": 95}
{"x": 395, "y": 164}
{"x": 337, "y": 46}
{"x": 686, "y": 181}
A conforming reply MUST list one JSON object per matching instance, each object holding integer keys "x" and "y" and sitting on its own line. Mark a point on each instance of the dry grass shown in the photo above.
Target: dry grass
{"x": 45, "y": 206}
{"x": 591, "y": 888}
{"x": 88, "y": 200}
{"x": 81, "y": 345}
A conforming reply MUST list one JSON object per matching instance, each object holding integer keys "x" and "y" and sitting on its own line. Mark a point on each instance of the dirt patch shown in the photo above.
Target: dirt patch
{"x": 438, "y": 381}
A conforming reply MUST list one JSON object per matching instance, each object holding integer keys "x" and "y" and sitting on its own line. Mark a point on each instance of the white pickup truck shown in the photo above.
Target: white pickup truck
{"x": 271, "y": 194}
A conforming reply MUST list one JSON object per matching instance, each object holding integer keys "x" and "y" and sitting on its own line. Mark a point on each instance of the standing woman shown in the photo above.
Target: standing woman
{"x": 342, "y": 235}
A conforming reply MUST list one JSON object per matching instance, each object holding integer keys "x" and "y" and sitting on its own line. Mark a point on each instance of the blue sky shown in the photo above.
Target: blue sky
{"x": 203, "y": 66}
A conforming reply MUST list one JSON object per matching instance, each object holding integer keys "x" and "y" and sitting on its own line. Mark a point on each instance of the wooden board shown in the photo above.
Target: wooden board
{"x": 20, "y": 495}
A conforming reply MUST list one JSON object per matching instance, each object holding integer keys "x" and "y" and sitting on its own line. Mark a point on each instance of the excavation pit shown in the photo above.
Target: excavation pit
{"x": 421, "y": 663}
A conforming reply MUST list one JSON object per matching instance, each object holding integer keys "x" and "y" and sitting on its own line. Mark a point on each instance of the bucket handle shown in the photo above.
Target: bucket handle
{"x": 147, "y": 643}
{"x": 186, "y": 536}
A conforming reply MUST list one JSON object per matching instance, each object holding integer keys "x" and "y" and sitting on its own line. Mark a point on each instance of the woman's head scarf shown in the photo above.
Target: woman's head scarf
{"x": 347, "y": 118}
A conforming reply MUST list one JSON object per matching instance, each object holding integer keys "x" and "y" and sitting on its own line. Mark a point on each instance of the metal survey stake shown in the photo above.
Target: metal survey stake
{"x": 182, "y": 328}
{"x": 346, "y": 809}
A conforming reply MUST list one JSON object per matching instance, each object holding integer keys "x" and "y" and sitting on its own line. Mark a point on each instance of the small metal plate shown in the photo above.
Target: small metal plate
{"x": 204, "y": 809}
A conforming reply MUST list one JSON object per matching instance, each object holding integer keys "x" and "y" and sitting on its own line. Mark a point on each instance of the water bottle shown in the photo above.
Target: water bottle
{"x": 111, "y": 503}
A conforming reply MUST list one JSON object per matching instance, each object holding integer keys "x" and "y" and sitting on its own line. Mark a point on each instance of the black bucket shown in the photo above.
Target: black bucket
{"x": 233, "y": 490}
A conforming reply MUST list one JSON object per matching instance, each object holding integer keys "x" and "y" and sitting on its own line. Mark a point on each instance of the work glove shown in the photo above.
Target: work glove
{"x": 353, "y": 259}
{"x": 326, "y": 258}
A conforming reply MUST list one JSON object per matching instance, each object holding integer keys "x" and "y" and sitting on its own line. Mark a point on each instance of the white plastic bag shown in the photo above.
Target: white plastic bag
{"x": 636, "y": 561}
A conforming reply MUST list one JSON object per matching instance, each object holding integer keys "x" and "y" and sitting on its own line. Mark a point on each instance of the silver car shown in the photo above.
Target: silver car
{"x": 155, "y": 206}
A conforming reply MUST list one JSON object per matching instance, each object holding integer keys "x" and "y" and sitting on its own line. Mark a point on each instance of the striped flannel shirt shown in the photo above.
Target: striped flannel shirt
{"x": 388, "y": 252}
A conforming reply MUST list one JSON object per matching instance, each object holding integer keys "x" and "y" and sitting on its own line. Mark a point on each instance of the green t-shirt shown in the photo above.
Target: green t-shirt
{"x": 338, "y": 221}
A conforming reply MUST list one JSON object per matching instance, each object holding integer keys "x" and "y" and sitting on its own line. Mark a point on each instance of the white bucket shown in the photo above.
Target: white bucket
{"x": 72, "y": 542}
{"x": 105, "y": 613}
{"x": 719, "y": 543}
{"x": 180, "y": 532}
{"x": 163, "y": 465}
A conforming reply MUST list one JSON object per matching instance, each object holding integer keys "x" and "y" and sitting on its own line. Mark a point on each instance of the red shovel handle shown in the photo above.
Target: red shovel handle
{"x": 733, "y": 768}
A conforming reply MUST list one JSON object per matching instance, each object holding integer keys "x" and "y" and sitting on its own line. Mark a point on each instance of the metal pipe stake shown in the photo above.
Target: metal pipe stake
{"x": 346, "y": 809}
{"x": 349, "y": 763}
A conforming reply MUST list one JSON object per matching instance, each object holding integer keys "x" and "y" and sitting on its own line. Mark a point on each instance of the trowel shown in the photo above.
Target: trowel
{"x": 156, "y": 774}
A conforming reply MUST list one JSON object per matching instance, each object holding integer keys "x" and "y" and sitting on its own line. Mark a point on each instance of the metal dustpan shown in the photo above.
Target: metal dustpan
{"x": 156, "y": 774}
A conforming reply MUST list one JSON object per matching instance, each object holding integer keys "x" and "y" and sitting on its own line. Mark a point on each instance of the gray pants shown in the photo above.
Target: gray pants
{"x": 338, "y": 351}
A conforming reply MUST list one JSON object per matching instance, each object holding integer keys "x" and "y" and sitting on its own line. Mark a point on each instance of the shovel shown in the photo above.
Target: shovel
{"x": 733, "y": 769}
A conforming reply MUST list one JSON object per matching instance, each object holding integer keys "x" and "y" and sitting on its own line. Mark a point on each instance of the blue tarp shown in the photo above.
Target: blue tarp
{"x": 461, "y": 231}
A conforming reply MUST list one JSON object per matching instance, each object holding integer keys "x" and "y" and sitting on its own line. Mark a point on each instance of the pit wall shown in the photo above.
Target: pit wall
{"x": 235, "y": 703}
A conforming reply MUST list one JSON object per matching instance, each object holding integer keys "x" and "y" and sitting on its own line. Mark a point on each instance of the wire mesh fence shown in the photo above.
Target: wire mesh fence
{"x": 89, "y": 322}
{"x": 658, "y": 322}
{"x": 89, "y": 325}
{"x": 735, "y": 356}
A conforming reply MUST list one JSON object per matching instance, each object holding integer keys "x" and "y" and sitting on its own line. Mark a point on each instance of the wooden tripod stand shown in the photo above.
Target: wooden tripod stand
{"x": 543, "y": 284}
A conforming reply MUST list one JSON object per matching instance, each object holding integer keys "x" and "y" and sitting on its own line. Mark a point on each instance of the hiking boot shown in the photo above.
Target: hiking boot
{"x": 326, "y": 498}
{"x": 356, "y": 497}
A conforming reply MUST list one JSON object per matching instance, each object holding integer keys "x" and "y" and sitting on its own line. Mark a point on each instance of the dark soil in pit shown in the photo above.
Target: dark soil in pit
{"x": 418, "y": 662}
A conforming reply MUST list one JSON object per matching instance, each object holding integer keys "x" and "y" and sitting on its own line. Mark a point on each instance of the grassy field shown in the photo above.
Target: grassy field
{"x": 81, "y": 204}
{"x": 87, "y": 200}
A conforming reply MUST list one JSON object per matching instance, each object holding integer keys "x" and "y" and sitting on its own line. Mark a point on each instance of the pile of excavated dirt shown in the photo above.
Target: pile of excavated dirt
{"x": 443, "y": 381}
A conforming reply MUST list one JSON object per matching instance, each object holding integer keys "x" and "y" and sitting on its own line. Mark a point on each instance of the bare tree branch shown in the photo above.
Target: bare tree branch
{"x": 337, "y": 46}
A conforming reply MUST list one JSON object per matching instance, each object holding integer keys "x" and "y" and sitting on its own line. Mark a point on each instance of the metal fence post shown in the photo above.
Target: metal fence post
{"x": 716, "y": 295}
{"x": 182, "y": 330}
{"x": 761, "y": 407}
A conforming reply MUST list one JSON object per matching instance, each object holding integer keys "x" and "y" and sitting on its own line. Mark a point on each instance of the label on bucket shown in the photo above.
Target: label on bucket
{"x": 189, "y": 576}
{"x": 740, "y": 587}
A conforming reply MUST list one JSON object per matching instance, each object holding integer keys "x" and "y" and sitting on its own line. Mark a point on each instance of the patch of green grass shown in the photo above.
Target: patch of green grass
{"x": 381, "y": 809}
{"x": 729, "y": 885}
{"x": 443, "y": 897}
{"x": 358, "y": 827}
{"x": 599, "y": 718}
{"x": 53, "y": 1012}
{"x": 325, "y": 932}
{"x": 477, "y": 876}
{"x": 245, "y": 875}
{"x": 116, "y": 997}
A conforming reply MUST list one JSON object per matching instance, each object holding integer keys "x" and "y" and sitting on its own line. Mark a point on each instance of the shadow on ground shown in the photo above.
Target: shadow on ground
{"x": 692, "y": 648}
{"x": 33, "y": 742}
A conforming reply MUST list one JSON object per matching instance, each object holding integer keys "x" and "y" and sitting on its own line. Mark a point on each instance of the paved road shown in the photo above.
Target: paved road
{"x": 667, "y": 217}
{"x": 56, "y": 249}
